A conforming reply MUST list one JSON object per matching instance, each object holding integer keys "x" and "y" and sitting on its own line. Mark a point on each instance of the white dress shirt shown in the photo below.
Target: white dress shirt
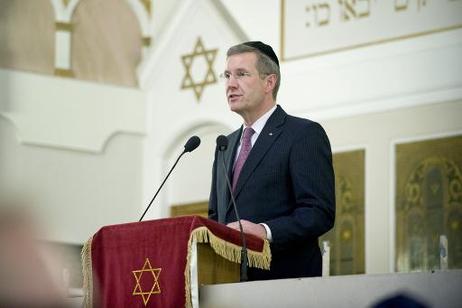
{"x": 258, "y": 127}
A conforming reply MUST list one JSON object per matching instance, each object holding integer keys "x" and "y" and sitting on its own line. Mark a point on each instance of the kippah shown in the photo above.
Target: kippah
{"x": 263, "y": 48}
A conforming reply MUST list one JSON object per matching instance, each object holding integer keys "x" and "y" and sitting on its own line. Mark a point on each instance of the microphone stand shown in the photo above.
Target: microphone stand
{"x": 244, "y": 244}
{"x": 165, "y": 179}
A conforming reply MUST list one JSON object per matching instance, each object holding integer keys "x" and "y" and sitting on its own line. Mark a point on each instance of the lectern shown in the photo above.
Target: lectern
{"x": 161, "y": 263}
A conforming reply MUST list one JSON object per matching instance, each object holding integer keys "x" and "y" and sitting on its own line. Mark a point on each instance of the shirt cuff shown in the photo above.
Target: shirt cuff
{"x": 269, "y": 236}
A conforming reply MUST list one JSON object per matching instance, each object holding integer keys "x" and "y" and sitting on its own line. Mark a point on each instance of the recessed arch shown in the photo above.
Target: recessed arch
{"x": 194, "y": 128}
{"x": 106, "y": 44}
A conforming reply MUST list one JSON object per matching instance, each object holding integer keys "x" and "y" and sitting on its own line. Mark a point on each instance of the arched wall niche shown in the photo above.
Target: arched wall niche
{"x": 106, "y": 44}
{"x": 191, "y": 179}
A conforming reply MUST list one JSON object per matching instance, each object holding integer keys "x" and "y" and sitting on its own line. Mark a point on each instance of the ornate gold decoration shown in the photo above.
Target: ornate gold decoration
{"x": 414, "y": 189}
{"x": 428, "y": 203}
{"x": 209, "y": 75}
{"x": 66, "y": 2}
{"x": 61, "y": 72}
{"x": 63, "y": 26}
{"x": 155, "y": 289}
{"x": 347, "y": 237}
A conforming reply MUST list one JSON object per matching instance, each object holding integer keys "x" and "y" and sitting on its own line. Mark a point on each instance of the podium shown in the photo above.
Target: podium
{"x": 161, "y": 263}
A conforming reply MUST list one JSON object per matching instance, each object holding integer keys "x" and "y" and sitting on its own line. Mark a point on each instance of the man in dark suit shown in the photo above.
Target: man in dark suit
{"x": 280, "y": 166}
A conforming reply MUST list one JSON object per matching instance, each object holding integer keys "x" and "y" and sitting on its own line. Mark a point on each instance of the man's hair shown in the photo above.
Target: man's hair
{"x": 264, "y": 65}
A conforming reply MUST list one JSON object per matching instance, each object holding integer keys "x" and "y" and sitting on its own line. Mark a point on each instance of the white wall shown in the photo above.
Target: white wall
{"x": 73, "y": 149}
{"x": 74, "y": 193}
{"x": 193, "y": 177}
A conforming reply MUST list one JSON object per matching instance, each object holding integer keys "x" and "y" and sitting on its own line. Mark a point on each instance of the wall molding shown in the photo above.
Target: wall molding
{"x": 70, "y": 114}
{"x": 383, "y": 104}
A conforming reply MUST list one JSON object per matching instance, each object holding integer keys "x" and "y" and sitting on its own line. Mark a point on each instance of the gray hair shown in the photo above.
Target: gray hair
{"x": 265, "y": 66}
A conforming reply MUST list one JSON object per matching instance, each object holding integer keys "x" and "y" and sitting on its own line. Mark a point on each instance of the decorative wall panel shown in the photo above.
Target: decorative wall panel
{"x": 346, "y": 239}
{"x": 428, "y": 203}
{"x": 200, "y": 208}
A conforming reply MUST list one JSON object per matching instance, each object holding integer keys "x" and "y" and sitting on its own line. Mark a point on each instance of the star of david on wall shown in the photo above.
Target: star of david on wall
{"x": 155, "y": 289}
{"x": 209, "y": 75}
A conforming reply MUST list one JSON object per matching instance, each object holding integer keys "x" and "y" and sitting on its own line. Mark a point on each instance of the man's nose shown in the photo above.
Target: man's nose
{"x": 231, "y": 81}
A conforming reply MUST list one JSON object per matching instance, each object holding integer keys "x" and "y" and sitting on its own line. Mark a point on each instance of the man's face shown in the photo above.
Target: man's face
{"x": 245, "y": 90}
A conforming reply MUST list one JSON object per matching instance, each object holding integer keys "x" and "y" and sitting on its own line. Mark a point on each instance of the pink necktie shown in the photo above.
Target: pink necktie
{"x": 245, "y": 150}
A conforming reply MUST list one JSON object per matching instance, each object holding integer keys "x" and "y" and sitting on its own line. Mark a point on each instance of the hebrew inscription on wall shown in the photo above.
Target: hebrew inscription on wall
{"x": 313, "y": 27}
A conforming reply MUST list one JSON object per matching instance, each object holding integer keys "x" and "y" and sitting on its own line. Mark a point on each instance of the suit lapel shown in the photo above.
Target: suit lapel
{"x": 267, "y": 137}
{"x": 229, "y": 157}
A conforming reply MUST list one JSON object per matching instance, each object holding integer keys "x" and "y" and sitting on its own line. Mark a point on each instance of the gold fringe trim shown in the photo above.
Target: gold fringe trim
{"x": 87, "y": 271}
{"x": 227, "y": 250}
{"x": 231, "y": 251}
{"x": 187, "y": 274}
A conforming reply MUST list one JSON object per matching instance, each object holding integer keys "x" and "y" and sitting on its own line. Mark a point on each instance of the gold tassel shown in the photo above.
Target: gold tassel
{"x": 87, "y": 271}
{"x": 187, "y": 274}
{"x": 225, "y": 249}
{"x": 231, "y": 251}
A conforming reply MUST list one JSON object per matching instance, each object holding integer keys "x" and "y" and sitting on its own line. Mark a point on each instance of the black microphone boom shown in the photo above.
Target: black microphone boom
{"x": 190, "y": 146}
{"x": 222, "y": 145}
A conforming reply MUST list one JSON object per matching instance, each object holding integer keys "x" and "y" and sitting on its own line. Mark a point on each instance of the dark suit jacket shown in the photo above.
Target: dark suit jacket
{"x": 287, "y": 182}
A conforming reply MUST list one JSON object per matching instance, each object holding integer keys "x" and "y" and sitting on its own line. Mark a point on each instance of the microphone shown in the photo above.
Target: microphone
{"x": 222, "y": 145}
{"x": 190, "y": 146}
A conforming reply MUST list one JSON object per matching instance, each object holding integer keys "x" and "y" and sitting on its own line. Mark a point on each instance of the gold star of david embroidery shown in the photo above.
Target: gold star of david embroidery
{"x": 209, "y": 74}
{"x": 155, "y": 289}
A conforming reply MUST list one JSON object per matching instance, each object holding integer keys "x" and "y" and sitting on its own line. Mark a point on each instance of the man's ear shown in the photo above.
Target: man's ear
{"x": 271, "y": 82}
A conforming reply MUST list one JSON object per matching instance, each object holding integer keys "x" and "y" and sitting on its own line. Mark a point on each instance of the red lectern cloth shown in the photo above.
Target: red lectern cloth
{"x": 146, "y": 264}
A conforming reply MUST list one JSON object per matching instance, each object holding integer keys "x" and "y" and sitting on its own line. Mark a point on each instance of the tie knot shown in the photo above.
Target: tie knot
{"x": 248, "y": 132}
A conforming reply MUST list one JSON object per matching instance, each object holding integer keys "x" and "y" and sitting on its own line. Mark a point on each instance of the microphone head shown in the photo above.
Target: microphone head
{"x": 192, "y": 144}
{"x": 222, "y": 143}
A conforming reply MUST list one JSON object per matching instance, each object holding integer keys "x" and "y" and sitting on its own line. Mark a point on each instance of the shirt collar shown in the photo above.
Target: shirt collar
{"x": 260, "y": 123}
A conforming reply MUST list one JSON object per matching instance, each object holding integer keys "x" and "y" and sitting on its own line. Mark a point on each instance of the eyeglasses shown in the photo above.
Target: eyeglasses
{"x": 239, "y": 75}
